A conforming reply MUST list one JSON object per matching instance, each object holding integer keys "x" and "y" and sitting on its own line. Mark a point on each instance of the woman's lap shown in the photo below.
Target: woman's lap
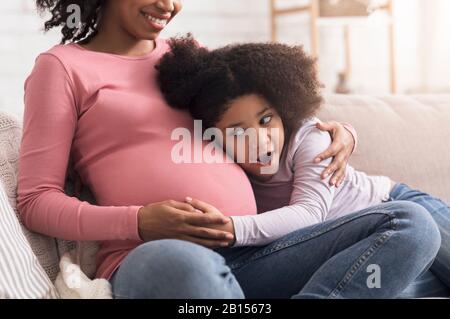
{"x": 174, "y": 269}
{"x": 283, "y": 268}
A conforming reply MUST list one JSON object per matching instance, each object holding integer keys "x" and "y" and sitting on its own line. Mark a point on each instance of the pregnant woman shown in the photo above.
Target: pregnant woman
{"x": 95, "y": 102}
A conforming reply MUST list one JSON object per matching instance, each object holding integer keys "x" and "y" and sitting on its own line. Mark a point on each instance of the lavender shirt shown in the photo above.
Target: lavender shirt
{"x": 296, "y": 197}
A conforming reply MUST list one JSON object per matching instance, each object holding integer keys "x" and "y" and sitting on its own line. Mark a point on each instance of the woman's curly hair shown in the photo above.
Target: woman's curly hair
{"x": 90, "y": 15}
{"x": 205, "y": 82}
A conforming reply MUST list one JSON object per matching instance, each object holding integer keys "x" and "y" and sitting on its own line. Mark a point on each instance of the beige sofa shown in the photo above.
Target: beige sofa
{"x": 406, "y": 138}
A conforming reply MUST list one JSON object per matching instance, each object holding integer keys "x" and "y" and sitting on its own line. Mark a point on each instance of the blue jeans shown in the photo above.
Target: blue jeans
{"x": 428, "y": 286}
{"x": 335, "y": 259}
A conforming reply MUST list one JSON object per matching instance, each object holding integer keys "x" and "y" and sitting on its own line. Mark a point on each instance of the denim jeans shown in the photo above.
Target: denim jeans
{"x": 395, "y": 241}
{"x": 428, "y": 286}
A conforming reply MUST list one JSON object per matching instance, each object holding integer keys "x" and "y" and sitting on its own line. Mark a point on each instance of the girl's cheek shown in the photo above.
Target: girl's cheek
{"x": 279, "y": 131}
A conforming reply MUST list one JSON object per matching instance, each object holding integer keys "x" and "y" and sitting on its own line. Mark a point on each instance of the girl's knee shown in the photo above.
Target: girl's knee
{"x": 421, "y": 229}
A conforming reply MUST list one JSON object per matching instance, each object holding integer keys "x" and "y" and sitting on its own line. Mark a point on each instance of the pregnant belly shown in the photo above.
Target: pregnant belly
{"x": 147, "y": 174}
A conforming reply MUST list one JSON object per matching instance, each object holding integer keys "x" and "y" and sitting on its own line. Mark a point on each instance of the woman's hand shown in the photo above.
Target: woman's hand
{"x": 341, "y": 149}
{"x": 208, "y": 209}
{"x": 177, "y": 220}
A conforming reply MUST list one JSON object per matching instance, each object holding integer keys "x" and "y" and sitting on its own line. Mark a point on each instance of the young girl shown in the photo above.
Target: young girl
{"x": 273, "y": 89}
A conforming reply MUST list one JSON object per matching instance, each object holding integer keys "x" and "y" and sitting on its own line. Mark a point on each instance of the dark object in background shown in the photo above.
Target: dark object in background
{"x": 342, "y": 86}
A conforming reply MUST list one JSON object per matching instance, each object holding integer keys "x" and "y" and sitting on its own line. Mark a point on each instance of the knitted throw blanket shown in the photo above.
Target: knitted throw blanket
{"x": 69, "y": 265}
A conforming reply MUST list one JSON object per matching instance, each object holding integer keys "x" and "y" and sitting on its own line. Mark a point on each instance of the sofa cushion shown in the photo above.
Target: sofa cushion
{"x": 403, "y": 137}
{"x": 45, "y": 248}
{"x": 21, "y": 275}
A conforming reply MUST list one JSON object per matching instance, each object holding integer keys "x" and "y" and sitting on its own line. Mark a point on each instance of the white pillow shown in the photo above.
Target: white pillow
{"x": 21, "y": 275}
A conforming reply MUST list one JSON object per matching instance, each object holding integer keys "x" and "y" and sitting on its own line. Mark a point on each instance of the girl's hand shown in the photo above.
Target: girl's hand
{"x": 211, "y": 210}
{"x": 177, "y": 220}
{"x": 341, "y": 149}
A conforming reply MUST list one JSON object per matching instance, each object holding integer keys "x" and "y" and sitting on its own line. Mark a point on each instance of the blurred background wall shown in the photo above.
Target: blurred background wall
{"x": 422, "y": 36}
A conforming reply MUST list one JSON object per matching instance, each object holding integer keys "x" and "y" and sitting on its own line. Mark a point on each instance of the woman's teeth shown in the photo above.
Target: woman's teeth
{"x": 161, "y": 22}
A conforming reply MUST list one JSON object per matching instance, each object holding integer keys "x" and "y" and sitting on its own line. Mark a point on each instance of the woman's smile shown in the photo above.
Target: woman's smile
{"x": 155, "y": 20}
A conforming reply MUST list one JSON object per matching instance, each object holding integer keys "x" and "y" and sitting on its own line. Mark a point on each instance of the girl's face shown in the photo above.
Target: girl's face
{"x": 253, "y": 135}
{"x": 142, "y": 19}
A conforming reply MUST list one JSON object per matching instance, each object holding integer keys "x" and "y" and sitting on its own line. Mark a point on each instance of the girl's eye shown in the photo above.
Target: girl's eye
{"x": 238, "y": 131}
{"x": 266, "y": 120}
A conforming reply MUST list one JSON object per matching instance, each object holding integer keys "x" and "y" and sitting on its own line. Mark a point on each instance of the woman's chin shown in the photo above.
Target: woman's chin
{"x": 149, "y": 36}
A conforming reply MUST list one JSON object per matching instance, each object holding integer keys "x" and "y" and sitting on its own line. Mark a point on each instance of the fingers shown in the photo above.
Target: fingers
{"x": 198, "y": 204}
{"x": 206, "y": 242}
{"x": 206, "y": 219}
{"x": 338, "y": 177}
{"x": 327, "y": 126}
{"x": 331, "y": 151}
{"x": 181, "y": 206}
{"x": 328, "y": 171}
{"x": 341, "y": 140}
{"x": 208, "y": 233}
{"x": 336, "y": 170}
{"x": 333, "y": 167}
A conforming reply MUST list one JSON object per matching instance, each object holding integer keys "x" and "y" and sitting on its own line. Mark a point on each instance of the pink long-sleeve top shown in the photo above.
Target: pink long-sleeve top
{"x": 106, "y": 114}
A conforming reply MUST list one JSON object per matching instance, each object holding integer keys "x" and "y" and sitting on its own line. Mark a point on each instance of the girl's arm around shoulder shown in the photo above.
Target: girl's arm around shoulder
{"x": 311, "y": 197}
